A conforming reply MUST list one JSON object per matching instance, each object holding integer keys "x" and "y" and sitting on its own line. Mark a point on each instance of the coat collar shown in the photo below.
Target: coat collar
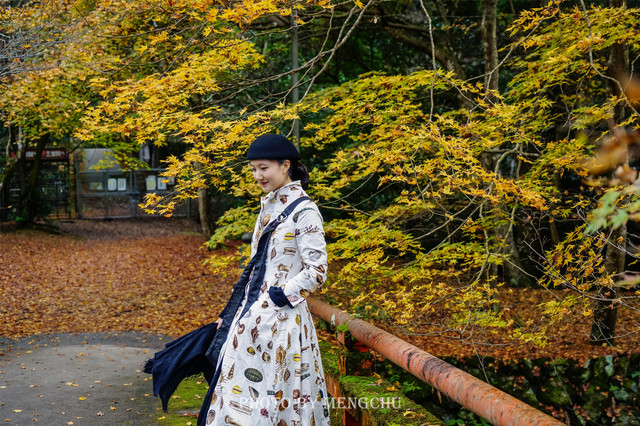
{"x": 283, "y": 196}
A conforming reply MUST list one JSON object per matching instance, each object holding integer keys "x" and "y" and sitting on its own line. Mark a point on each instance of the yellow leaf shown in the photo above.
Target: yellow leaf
{"x": 82, "y": 398}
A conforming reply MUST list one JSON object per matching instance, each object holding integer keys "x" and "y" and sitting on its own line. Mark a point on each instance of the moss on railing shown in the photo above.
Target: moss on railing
{"x": 369, "y": 400}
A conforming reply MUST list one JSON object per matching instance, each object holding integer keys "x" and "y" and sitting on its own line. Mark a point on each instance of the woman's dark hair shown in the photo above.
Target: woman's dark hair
{"x": 297, "y": 171}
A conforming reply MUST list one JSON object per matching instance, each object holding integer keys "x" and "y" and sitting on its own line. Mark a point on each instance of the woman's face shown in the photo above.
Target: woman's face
{"x": 270, "y": 174}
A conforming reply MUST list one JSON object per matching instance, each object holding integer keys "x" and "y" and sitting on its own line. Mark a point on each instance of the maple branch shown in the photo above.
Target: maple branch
{"x": 593, "y": 65}
{"x": 338, "y": 44}
{"x": 22, "y": 48}
{"x": 450, "y": 218}
{"x": 343, "y": 199}
{"x": 308, "y": 65}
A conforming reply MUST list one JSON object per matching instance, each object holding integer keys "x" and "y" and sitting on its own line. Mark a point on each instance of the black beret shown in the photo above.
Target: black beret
{"x": 272, "y": 147}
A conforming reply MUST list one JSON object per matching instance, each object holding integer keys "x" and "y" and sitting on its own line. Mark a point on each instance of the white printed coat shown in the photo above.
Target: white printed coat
{"x": 271, "y": 366}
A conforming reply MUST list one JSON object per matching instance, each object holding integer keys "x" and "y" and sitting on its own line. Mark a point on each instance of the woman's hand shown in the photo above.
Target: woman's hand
{"x": 219, "y": 322}
{"x": 278, "y": 297}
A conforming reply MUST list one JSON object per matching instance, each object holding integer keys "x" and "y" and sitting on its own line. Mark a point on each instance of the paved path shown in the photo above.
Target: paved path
{"x": 78, "y": 379}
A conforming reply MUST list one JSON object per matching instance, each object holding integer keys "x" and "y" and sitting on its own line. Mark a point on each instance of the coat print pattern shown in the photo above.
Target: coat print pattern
{"x": 271, "y": 366}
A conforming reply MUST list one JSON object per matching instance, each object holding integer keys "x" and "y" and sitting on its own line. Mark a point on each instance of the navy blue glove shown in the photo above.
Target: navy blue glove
{"x": 277, "y": 295}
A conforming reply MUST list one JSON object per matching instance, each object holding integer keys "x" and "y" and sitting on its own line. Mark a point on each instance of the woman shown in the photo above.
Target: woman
{"x": 269, "y": 370}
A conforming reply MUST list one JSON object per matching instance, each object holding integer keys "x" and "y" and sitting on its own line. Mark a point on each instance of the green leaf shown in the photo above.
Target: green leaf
{"x": 619, "y": 219}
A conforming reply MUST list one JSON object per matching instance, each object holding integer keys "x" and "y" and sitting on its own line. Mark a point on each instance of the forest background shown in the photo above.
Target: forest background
{"x": 464, "y": 153}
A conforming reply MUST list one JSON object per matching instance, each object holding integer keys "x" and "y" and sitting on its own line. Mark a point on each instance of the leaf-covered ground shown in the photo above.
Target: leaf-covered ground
{"x": 107, "y": 276}
{"x": 149, "y": 276}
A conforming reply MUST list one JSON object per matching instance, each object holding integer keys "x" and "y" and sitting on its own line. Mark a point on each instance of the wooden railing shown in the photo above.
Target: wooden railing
{"x": 488, "y": 402}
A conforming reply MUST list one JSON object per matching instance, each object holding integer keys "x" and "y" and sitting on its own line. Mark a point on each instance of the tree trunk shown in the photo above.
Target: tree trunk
{"x": 9, "y": 170}
{"x": 490, "y": 44}
{"x": 605, "y": 314}
{"x": 12, "y": 162}
{"x": 618, "y": 66}
{"x": 17, "y": 168}
{"x": 513, "y": 271}
{"x": 203, "y": 209}
{"x": 155, "y": 156}
{"x": 28, "y": 191}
